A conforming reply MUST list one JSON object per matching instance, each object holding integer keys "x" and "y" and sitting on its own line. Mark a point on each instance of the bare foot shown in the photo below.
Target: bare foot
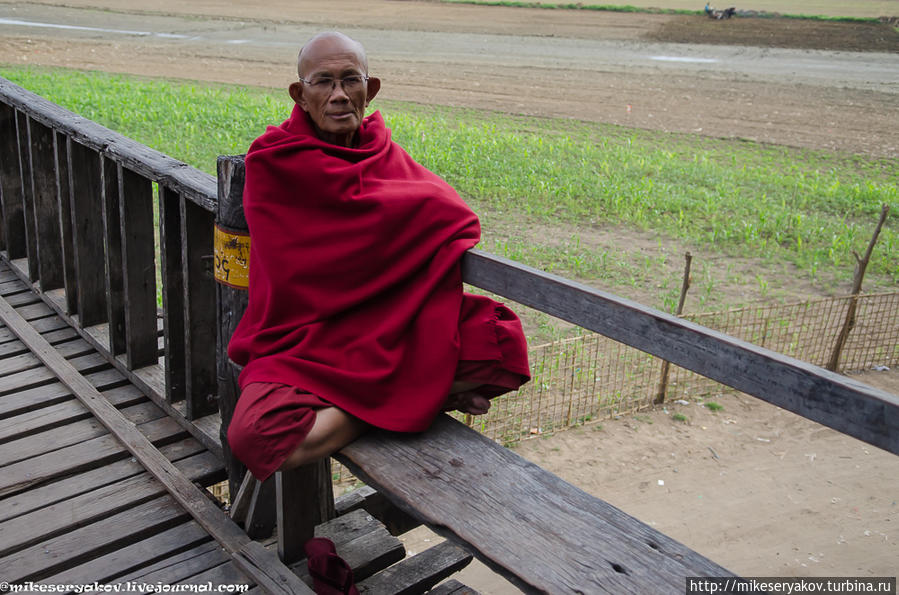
{"x": 467, "y": 402}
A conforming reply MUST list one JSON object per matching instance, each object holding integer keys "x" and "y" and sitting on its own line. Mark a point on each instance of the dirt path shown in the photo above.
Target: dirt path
{"x": 575, "y": 64}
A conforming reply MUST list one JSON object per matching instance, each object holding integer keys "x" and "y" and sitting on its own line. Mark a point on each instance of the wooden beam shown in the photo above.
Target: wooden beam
{"x": 836, "y": 401}
{"x": 44, "y": 190}
{"x": 256, "y": 562}
{"x": 540, "y": 532}
{"x": 194, "y": 184}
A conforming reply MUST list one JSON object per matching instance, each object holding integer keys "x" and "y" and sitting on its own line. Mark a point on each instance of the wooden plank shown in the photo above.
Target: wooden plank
{"x": 80, "y": 457}
{"x": 172, "y": 293}
{"x": 111, "y": 533}
{"x": 74, "y": 433}
{"x": 44, "y": 189}
{"x": 11, "y": 185}
{"x": 158, "y": 549}
{"x": 16, "y": 347}
{"x": 266, "y": 570}
{"x": 138, "y": 258}
{"x": 27, "y": 361}
{"x": 199, "y": 317}
{"x": 261, "y": 513}
{"x": 224, "y": 574}
{"x": 112, "y": 230}
{"x": 540, "y": 532}
{"x": 305, "y": 499}
{"x": 197, "y": 186}
{"x": 54, "y": 416}
{"x": 64, "y": 209}
{"x": 183, "y": 565}
{"x": 374, "y": 503}
{"x": 27, "y": 195}
{"x": 836, "y": 401}
{"x": 92, "y": 362}
{"x": 42, "y": 396}
{"x": 82, "y": 482}
{"x": 452, "y": 587}
{"x": 54, "y": 520}
{"x": 418, "y": 573}
{"x": 85, "y": 197}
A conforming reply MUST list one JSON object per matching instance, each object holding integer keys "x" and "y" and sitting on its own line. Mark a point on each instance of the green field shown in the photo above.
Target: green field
{"x": 546, "y": 189}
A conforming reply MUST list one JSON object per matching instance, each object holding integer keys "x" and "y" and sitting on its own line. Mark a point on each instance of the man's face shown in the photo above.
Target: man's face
{"x": 336, "y": 110}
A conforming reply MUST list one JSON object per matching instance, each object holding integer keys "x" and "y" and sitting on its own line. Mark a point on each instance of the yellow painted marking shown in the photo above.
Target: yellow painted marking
{"x": 232, "y": 258}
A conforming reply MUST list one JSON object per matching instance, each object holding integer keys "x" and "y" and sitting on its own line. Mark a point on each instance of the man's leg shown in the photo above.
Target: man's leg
{"x": 462, "y": 399}
{"x": 333, "y": 429}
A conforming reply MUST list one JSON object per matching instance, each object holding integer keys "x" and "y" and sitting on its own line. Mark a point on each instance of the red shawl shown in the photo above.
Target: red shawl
{"x": 355, "y": 281}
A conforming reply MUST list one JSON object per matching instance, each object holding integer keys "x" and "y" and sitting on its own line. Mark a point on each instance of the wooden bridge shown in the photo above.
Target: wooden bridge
{"x": 112, "y": 410}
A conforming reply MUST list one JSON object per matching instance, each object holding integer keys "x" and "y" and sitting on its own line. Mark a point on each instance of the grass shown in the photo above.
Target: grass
{"x": 679, "y": 417}
{"x": 809, "y": 209}
{"x": 713, "y": 406}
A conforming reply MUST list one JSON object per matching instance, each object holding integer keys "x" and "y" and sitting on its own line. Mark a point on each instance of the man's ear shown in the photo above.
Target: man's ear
{"x": 374, "y": 85}
{"x": 296, "y": 93}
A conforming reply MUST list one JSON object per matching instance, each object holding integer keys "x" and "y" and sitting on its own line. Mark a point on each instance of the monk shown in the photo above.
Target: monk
{"x": 356, "y": 313}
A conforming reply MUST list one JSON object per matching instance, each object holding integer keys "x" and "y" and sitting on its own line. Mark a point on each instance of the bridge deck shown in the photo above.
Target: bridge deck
{"x": 76, "y": 506}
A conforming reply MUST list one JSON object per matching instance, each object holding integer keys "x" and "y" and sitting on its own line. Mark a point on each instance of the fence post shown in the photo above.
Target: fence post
{"x": 666, "y": 365}
{"x": 860, "y": 267}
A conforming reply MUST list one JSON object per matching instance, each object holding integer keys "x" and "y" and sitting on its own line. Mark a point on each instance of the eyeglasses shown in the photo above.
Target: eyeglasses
{"x": 323, "y": 84}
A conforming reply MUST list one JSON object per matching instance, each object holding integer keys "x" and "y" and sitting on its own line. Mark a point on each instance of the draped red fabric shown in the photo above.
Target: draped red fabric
{"x": 355, "y": 282}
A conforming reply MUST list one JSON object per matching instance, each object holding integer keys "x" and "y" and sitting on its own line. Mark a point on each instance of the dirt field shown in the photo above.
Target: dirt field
{"x": 757, "y": 489}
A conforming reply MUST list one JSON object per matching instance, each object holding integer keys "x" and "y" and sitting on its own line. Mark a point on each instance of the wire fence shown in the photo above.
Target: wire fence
{"x": 592, "y": 377}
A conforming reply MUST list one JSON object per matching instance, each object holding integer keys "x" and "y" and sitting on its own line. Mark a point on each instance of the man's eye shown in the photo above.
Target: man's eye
{"x": 352, "y": 80}
{"x": 322, "y": 82}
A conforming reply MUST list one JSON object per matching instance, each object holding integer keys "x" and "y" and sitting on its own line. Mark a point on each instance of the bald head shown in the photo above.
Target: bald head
{"x": 326, "y": 43}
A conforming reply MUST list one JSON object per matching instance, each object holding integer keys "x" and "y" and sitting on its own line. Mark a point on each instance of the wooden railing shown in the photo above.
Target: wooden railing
{"x": 81, "y": 208}
{"x": 78, "y": 222}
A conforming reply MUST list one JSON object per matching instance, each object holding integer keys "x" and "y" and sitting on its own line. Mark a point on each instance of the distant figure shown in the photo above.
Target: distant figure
{"x": 356, "y": 314}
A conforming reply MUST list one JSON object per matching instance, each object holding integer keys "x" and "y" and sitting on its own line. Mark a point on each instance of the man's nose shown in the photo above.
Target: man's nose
{"x": 337, "y": 93}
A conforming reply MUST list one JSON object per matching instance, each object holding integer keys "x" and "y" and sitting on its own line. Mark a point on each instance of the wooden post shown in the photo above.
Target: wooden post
{"x": 11, "y": 185}
{"x": 27, "y": 194}
{"x": 861, "y": 265}
{"x": 172, "y": 293}
{"x": 304, "y": 497}
{"x": 666, "y": 365}
{"x": 46, "y": 206}
{"x": 231, "y": 302}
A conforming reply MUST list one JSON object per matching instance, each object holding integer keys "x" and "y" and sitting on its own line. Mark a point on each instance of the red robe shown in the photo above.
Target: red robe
{"x": 355, "y": 283}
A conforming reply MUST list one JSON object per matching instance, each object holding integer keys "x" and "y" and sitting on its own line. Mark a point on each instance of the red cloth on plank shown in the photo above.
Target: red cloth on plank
{"x": 355, "y": 281}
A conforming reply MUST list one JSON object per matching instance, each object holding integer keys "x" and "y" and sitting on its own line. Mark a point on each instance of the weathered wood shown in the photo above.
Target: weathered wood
{"x": 86, "y": 481}
{"x": 85, "y": 196}
{"x": 527, "y": 524}
{"x": 80, "y": 457}
{"x": 135, "y": 558}
{"x": 86, "y": 364}
{"x": 46, "y": 205}
{"x": 304, "y": 500}
{"x": 452, "y": 587}
{"x": 197, "y": 186}
{"x": 28, "y": 361}
{"x": 374, "y": 503}
{"x": 199, "y": 318}
{"x": 263, "y": 569}
{"x": 418, "y": 573}
{"x": 231, "y": 303}
{"x": 64, "y": 209}
{"x": 106, "y": 535}
{"x": 173, "y": 294}
{"x": 11, "y": 185}
{"x": 362, "y": 542}
{"x": 112, "y": 230}
{"x": 261, "y": 510}
{"x": 138, "y": 258}
{"x": 181, "y": 566}
{"x": 67, "y": 412}
{"x": 54, "y": 520}
{"x": 844, "y": 404}
{"x": 73, "y": 433}
{"x": 15, "y": 347}
{"x": 27, "y": 196}
{"x": 43, "y": 396}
